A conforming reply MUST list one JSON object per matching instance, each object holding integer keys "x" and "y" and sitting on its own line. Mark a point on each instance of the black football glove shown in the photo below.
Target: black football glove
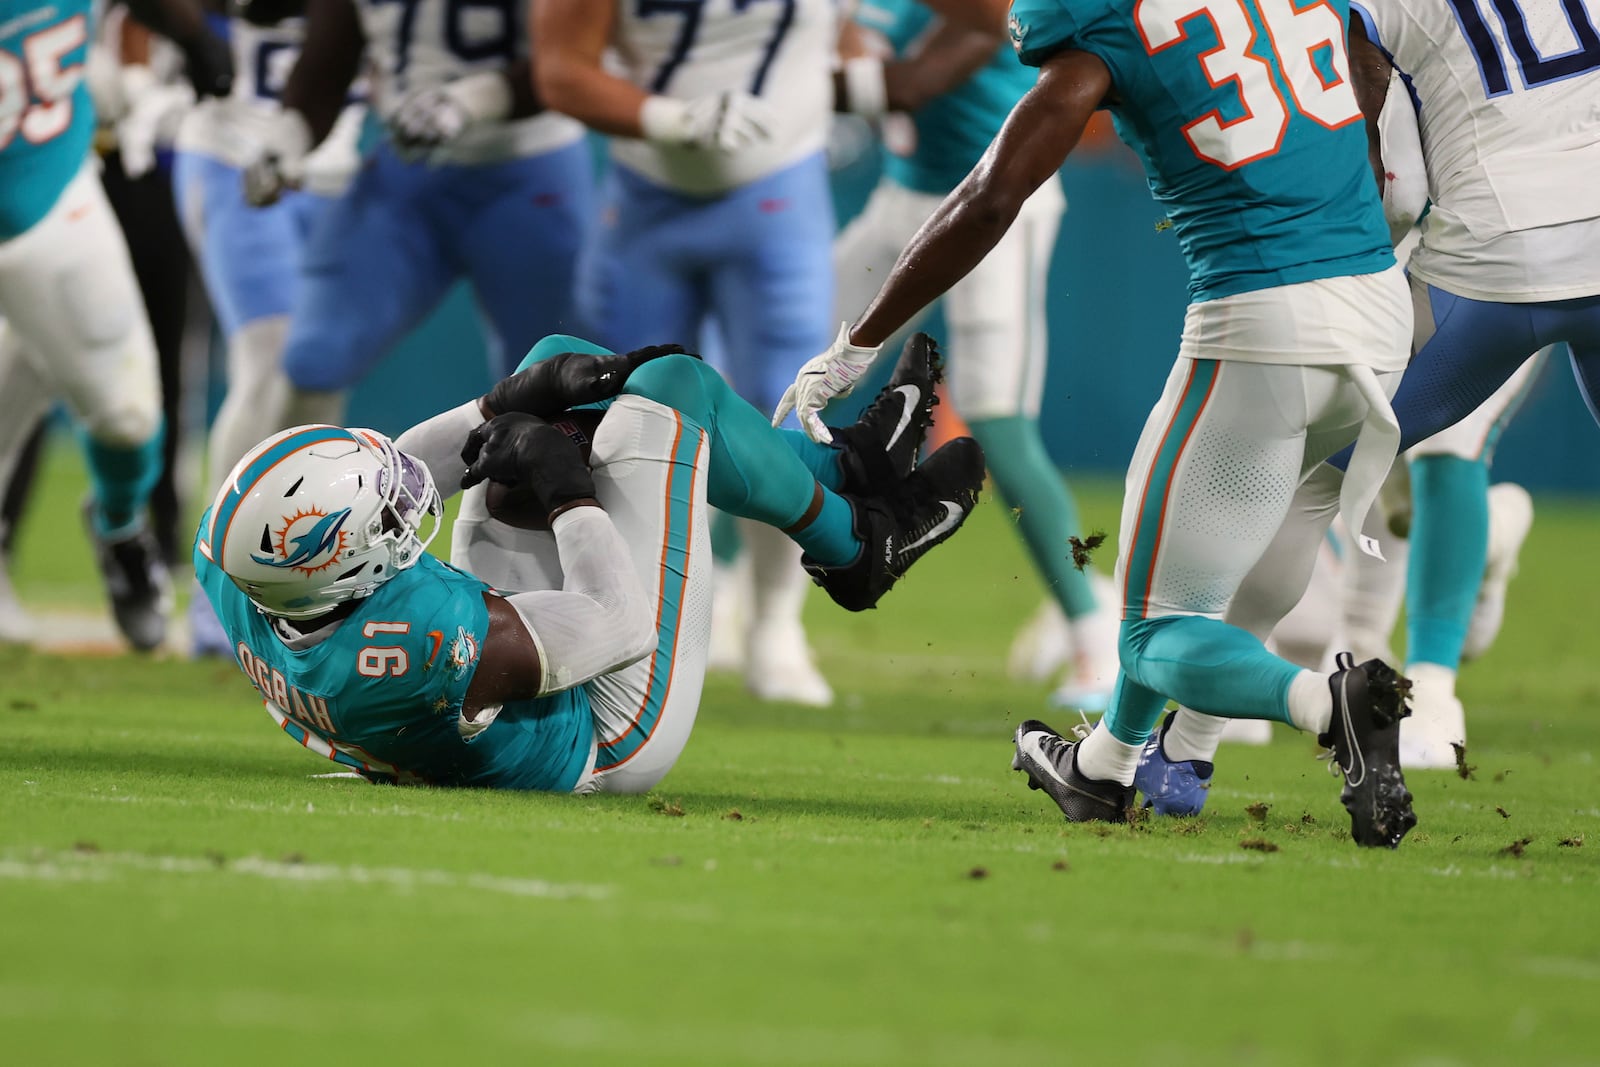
{"x": 569, "y": 380}
{"x": 524, "y": 452}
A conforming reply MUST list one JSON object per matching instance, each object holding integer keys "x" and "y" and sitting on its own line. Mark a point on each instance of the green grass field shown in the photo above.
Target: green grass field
{"x": 864, "y": 885}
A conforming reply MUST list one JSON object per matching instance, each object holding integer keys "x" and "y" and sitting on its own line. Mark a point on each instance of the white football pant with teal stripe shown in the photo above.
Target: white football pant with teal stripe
{"x": 650, "y": 468}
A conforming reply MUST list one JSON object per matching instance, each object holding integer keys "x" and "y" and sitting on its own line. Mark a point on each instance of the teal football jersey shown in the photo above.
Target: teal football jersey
{"x": 953, "y": 130}
{"x": 383, "y": 692}
{"x": 1244, "y": 116}
{"x": 46, "y": 121}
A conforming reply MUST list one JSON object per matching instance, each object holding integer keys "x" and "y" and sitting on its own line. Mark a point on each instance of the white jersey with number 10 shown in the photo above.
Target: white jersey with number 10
{"x": 1508, "y": 97}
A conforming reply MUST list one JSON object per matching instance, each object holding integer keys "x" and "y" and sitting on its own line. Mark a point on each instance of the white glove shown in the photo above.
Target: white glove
{"x": 722, "y": 122}
{"x": 279, "y": 163}
{"x": 428, "y": 118}
{"x": 153, "y": 114}
{"x": 834, "y": 373}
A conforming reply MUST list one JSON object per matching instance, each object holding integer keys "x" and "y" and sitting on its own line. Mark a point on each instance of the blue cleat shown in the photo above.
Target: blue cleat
{"x": 1171, "y": 787}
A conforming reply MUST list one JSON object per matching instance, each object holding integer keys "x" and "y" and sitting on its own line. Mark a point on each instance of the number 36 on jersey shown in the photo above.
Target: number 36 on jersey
{"x": 1264, "y": 48}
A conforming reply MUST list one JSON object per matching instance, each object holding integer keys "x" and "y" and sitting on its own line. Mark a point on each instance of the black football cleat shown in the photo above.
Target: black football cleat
{"x": 883, "y": 445}
{"x": 1051, "y": 763}
{"x": 900, "y": 528}
{"x": 136, "y": 580}
{"x": 1368, "y": 703}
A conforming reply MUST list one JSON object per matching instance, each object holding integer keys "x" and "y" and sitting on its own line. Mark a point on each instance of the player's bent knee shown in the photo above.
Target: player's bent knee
{"x": 326, "y": 360}
{"x": 681, "y": 382}
{"x": 123, "y": 425}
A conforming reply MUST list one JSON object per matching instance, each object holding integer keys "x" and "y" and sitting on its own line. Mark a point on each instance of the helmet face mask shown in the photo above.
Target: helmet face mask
{"x": 317, "y": 516}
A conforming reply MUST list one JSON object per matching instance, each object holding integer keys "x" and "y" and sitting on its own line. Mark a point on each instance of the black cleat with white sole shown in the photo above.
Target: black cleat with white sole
{"x": 901, "y": 527}
{"x": 136, "y": 580}
{"x": 1051, "y": 763}
{"x": 883, "y": 445}
{"x": 1368, "y": 703}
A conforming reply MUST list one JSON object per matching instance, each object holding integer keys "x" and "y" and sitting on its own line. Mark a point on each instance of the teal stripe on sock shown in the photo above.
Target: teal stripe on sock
{"x": 1146, "y": 541}
{"x": 821, "y": 460}
{"x": 831, "y": 538}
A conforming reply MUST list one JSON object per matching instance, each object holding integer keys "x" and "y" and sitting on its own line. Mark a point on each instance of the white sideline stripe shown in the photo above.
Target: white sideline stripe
{"x": 106, "y": 866}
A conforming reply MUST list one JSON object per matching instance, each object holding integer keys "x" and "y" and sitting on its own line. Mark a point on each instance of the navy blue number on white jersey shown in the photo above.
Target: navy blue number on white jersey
{"x": 274, "y": 60}
{"x": 36, "y": 96}
{"x": 1536, "y": 69}
{"x": 689, "y": 11}
{"x": 458, "y": 30}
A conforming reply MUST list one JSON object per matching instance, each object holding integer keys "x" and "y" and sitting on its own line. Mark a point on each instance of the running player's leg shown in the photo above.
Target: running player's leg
{"x": 249, "y": 259}
{"x": 24, "y": 400}
{"x": 1449, "y": 549}
{"x": 521, "y": 246}
{"x": 67, "y": 289}
{"x": 377, "y": 250}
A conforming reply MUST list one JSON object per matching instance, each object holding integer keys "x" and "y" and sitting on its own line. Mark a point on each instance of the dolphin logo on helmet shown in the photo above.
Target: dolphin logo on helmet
{"x": 324, "y": 539}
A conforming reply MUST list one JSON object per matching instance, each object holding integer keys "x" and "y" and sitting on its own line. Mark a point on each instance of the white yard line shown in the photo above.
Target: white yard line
{"x": 88, "y": 866}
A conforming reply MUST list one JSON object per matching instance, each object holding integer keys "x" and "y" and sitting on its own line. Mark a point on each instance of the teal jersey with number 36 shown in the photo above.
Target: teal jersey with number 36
{"x": 1248, "y": 126}
{"x": 46, "y": 121}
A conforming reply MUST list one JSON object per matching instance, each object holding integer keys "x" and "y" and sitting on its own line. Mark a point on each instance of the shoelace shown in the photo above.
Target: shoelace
{"x": 1082, "y": 730}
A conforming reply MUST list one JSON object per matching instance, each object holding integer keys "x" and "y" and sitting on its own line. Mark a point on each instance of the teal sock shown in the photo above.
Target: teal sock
{"x": 1045, "y": 512}
{"x": 755, "y": 473}
{"x": 830, "y": 538}
{"x": 122, "y": 478}
{"x": 1207, "y": 665}
{"x": 1132, "y": 713}
{"x": 821, "y": 460}
{"x": 1449, "y": 543}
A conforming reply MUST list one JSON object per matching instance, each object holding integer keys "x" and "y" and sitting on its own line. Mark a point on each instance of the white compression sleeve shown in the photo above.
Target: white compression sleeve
{"x": 437, "y": 443}
{"x": 600, "y": 620}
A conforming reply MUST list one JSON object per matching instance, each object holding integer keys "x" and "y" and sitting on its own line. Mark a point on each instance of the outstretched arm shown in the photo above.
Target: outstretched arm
{"x": 1043, "y": 129}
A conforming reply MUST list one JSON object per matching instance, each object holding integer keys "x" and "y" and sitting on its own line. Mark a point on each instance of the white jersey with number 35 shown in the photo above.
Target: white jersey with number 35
{"x": 1508, "y": 99}
{"x": 778, "y": 50}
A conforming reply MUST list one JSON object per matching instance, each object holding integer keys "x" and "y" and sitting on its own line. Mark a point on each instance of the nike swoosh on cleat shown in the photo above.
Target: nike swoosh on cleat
{"x": 913, "y": 397}
{"x": 952, "y": 517}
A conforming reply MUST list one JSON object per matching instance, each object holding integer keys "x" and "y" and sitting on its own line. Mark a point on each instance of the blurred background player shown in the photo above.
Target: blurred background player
{"x": 716, "y": 207}
{"x": 251, "y": 258}
{"x": 68, "y": 294}
{"x": 472, "y": 180}
{"x": 957, "y": 85}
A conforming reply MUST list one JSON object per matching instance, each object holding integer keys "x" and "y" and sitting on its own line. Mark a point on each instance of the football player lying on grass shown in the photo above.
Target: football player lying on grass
{"x": 565, "y": 649}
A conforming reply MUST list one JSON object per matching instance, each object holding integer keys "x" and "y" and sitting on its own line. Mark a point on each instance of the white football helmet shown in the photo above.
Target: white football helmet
{"x": 318, "y": 515}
